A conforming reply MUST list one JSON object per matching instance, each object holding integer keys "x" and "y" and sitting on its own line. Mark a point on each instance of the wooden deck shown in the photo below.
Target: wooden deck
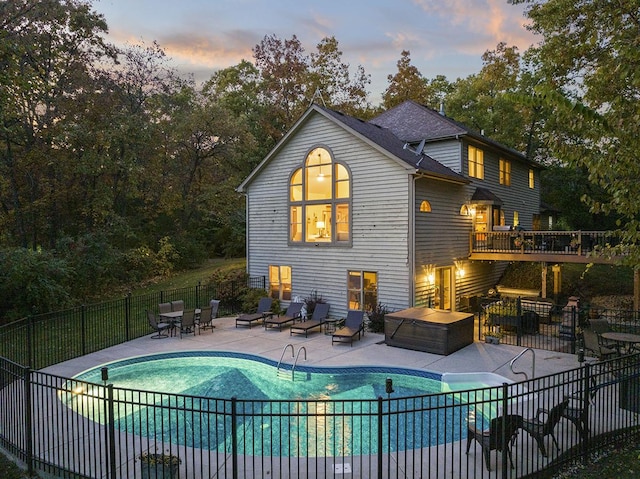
{"x": 541, "y": 246}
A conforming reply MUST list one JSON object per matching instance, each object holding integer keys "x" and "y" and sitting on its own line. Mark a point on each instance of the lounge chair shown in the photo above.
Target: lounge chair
{"x": 539, "y": 429}
{"x": 493, "y": 438}
{"x": 158, "y": 327}
{"x": 353, "y": 326}
{"x": 294, "y": 312}
{"x": 264, "y": 311}
{"x": 318, "y": 318}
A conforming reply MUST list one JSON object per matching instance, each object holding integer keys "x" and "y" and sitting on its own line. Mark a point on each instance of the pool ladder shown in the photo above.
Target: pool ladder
{"x": 533, "y": 363}
{"x": 297, "y": 356}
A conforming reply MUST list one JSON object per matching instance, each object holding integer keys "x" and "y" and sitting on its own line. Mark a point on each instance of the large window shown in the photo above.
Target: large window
{"x": 362, "y": 290}
{"x": 476, "y": 162}
{"x": 320, "y": 200}
{"x": 505, "y": 172}
{"x": 280, "y": 282}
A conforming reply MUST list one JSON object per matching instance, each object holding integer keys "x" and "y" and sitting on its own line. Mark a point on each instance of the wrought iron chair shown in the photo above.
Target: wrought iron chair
{"x": 499, "y": 436}
{"x": 539, "y": 429}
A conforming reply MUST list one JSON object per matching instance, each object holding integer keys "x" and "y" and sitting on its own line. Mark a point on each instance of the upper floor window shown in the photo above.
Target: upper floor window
{"x": 476, "y": 162}
{"x": 505, "y": 172}
{"x": 320, "y": 200}
{"x": 532, "y": 179}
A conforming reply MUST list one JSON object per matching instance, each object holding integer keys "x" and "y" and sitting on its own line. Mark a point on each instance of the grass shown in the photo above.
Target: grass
{"x": 620, "y": 463}
{"x": 8, "y": 469}
{"x": 191, "y": 277}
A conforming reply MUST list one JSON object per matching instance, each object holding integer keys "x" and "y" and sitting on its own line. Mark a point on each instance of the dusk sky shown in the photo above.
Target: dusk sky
{"x": 445, "y": 37}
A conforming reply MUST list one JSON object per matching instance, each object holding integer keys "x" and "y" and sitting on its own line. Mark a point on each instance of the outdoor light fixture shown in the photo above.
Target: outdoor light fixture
{"x": 105, "y": 375}
{"x": 388, "y": 385}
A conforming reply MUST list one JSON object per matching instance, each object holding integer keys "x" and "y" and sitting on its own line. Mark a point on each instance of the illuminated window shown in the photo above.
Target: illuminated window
{"x": 516, "y": 219}
{"x": 362, "y": 290}
{"x": 320, "y": 200}
{"x": 532, "y": 179}
{"x": 505, "y": 172}
{"x": 476, "y": 162}
{"x": 280, "y": 282}
{"x": 425, "y": 206}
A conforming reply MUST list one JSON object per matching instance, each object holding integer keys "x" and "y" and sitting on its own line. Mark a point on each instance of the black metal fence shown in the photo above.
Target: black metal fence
{"x": 70, "y": 428}
{"x": 541, "y": 324}
{"x": 51, "y": 338}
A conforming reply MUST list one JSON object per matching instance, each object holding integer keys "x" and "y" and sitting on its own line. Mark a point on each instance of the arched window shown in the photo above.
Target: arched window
{"x": 320, "y": 200}
{"x": 425, "y": 206}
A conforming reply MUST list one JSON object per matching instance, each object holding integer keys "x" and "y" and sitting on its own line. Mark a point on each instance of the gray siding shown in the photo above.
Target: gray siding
{"x": 446, "y": 152}
{"x": 380, "y": 219}
{"x": 516, "y": 197}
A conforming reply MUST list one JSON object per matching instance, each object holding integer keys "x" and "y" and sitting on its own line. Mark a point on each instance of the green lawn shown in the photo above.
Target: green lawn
{"x": 191, "y": 277}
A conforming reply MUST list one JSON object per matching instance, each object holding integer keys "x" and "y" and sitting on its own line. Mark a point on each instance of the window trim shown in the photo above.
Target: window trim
{"x": 505, "y": 172}
{"x": 281, "y": 291}
{"x": 334, "y": 202}
{"x": 478, "y": 165}
{"x": 362, "y": 291}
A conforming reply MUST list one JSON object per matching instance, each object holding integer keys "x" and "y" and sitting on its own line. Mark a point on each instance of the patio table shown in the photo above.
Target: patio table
{"x": 626, "y": 340}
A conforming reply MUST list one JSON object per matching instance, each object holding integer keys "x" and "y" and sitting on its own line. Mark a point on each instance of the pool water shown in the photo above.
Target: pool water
{"x": 312, "y": 412}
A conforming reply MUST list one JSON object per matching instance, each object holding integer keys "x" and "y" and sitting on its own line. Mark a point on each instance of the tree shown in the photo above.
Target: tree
{"x": 589, "y": 64}
{"x": 406, "y": 84}
{"x": 482, "y": 101}
{"x": 330, "y": 76}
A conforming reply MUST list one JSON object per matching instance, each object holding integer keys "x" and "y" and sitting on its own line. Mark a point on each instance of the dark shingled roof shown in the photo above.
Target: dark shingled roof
{"x": 412, "y": 122}
{"x": 483, "y": 194}
{"x": 386, "y": 139}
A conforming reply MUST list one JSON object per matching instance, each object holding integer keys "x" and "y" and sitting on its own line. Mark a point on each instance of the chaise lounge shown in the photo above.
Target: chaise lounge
{"x": 263, "y": 312}
{"x": 294, "y": 311}
{"x": 318, "y": 318}
{"x": 353, "y": 326}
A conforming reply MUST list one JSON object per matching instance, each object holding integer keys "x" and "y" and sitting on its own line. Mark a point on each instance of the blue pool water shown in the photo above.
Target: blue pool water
{"x": 314, "y": 412}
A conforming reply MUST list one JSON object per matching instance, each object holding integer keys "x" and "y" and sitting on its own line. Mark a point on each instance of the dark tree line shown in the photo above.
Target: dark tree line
{"x": 114, "y": 169}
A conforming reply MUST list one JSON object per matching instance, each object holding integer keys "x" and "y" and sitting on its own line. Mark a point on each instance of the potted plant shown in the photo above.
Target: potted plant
{"x": 159, "y": 465}
{"x": 493, "y": 336}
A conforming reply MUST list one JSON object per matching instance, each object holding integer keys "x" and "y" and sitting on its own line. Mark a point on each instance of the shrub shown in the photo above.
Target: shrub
{"x": 311, "y": 301}
{"x": 376, "y": 317}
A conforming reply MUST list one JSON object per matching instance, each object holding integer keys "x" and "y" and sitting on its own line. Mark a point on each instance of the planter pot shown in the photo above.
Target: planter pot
{"x": 491, "y": 340}
{"x": 159, "y": 470}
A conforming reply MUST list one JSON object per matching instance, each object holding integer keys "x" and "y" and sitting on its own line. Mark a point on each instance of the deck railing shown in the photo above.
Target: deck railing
{"x": 576, "y": 243}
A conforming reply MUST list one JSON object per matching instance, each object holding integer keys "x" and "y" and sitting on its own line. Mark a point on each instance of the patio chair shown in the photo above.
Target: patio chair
{"x": 264, "y": 311}
{"x": 187, "y": 324}
{"x": 158, "y": 327}
{"x": 208, "y": 314}
{"x": 497, "y": 437}
{"x": 599, "y": 326}
{"x": 592, "y": 343}
{"x": 318, "y": 318}
{"x": 177, "y": 305}
{"x": 353, "y": 326}
{"x": 293, "y": 313}
{"x": 164, "y": 308}
{"x": 539, "y": 429}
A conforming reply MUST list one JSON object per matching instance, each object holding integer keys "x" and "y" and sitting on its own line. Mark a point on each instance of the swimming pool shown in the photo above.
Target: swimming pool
{"x": 317, "y": 411}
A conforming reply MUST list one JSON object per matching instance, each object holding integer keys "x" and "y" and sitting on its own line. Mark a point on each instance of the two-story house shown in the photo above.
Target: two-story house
{"x": 382, "y": 211}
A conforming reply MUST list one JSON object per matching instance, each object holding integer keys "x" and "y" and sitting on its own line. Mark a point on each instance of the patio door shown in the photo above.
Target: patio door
{"x": 443, "y": 289}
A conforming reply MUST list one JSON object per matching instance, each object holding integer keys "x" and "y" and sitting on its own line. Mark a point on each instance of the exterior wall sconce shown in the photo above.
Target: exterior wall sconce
{"x": 459, "y": 268}
{"x": 430, "y": 274}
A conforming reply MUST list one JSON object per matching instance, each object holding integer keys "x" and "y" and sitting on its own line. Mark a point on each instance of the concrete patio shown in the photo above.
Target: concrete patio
{"x": 370, "y": 350}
